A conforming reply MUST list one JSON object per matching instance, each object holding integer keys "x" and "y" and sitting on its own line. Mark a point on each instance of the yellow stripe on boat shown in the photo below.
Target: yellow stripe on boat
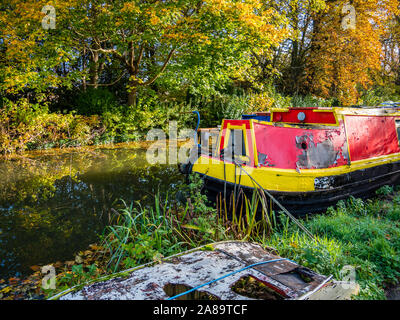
{"x": 283, "y": 180}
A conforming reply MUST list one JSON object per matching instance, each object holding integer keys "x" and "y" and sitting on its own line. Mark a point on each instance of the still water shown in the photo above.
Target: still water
{"x": 56, "y": 203}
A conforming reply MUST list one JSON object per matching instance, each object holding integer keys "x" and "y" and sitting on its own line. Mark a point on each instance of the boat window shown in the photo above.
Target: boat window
{"x": 398, "y": 129}
{"x": 236, "y": 143}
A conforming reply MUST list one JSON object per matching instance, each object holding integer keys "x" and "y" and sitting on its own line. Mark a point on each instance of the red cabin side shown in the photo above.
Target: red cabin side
{"x": 301, "y": 148}
{"x": 371, "y": 136}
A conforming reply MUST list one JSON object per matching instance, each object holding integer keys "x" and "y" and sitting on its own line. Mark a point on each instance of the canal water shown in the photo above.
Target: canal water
{"x": 55, "y": 203}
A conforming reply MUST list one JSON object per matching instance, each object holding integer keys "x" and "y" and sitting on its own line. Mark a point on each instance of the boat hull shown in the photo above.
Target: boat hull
{"x": 360, "y": 184}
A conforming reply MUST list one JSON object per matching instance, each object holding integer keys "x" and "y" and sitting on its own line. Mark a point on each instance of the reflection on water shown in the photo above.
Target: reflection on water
{"x": 52, "y": 206}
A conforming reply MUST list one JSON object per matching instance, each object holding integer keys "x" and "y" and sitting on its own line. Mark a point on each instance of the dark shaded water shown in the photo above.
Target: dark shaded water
{"x": 52, "y": 206}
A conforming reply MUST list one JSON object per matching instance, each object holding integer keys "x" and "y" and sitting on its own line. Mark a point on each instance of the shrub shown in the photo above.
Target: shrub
{"x": 27, "y": 126}
{"x": 379, "y": 94}
{"x": 312, "y": 101}
{"x": 95, "y": 101}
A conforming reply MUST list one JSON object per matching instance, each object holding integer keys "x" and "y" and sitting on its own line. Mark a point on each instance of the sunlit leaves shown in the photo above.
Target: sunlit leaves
{"x": 30, "y": 52}
{"x": 140, "y": 38}
{"x": 345, "y": 59}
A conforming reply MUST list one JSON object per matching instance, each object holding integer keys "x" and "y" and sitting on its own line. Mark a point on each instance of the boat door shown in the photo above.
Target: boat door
{"x": 237, "y": 142}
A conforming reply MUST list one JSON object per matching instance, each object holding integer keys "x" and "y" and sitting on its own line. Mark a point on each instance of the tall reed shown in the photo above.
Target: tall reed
{"x": 247, "y": 218}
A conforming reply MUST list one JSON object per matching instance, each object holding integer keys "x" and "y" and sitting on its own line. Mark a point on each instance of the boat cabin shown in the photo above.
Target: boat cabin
{"x": 323, "y": 154}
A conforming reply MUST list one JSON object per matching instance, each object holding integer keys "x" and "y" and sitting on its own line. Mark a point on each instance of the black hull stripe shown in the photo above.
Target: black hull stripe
{"x": 362, "y": 183}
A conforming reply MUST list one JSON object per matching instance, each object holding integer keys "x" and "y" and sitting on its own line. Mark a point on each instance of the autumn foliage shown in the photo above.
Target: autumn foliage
{"x": 346, "y": 48}
{"x": 128, "y": 61}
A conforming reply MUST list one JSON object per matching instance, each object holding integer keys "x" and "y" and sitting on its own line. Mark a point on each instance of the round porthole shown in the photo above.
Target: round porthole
{"x": 301, "y": 116}
{"x": 304, "y": 145}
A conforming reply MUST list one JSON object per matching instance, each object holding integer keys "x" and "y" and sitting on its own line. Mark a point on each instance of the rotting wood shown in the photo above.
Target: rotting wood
{"x": 196, "y": 267}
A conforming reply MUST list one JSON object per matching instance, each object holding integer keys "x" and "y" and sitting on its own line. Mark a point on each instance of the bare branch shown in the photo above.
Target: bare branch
{"x": 161, "y": 70}
{"x": 139, "y": 59}
{"x": 108, "y": 84}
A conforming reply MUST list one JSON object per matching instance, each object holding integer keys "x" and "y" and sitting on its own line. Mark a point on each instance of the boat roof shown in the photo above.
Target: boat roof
{"x": 322, "y": 115}
{"x": 384, "y": 110}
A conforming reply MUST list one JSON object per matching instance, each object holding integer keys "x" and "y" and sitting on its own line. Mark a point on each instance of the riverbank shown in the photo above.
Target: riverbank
{"x": 361, "y": 234}
{"x": 26, "y": 126}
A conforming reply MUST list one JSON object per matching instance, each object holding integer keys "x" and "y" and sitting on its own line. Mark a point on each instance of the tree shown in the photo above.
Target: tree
{"x": 30, "y": 54}
{"x": 293, "y": 53}
{"x": 345, "y": 57}
{"x": 391, "y": 51}
{"x": 145, "y": 37}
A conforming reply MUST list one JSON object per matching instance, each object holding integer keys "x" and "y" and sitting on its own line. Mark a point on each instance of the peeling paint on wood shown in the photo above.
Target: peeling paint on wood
{"x": 197, "y": 267}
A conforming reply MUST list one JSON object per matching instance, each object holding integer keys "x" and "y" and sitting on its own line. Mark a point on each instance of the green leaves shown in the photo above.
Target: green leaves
{"x": 361, "y": 234}
{"x": 135, "y": 43}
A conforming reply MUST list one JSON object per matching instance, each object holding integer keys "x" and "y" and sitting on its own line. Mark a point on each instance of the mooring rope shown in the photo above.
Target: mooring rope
{"x": 248, "y": 267}
{"x": 240, "y": 181}
{"x": 224, "y": 181}
{"x": 296, "y": 221}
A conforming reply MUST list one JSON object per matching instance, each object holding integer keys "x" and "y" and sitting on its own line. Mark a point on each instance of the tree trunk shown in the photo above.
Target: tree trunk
{"x": 94, "y": 68}
{"x": 84, "y": 69}
{"x": 132, "y": 93}
{"x": 314, "y": 48}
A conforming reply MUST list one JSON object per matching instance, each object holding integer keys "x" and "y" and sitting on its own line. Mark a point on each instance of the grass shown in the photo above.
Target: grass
{"x": 144, "y": 234}
{"x": 140, "y": 234}
{"x": 362, "y": 234}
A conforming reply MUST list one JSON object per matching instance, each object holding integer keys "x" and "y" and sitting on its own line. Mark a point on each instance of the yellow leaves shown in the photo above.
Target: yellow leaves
{"x": 217, "y": 6}
{"x": 95, "y": 247}
{"x": 35, "y": 268}
{"x": 22, "y": 125}
{"x": 202, "y": 38}
{"x": 154, "y": 20}
{"x": 135, "y": 80}
{"x": 261, "y": 102}
{"x": 294, "y": 245}
{"x": 16, "y": 80}
{"x": 130, "y": 7}
{"x": 68, "y": 272}
{"x": 151, "y": 13}
{"x": 253, "y": 22}
{"x": 5, "y": 290}
{"x": 153, "y": 17}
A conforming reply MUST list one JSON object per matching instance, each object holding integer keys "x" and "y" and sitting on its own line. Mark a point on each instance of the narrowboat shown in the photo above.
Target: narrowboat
{"x": 306, "y": 158}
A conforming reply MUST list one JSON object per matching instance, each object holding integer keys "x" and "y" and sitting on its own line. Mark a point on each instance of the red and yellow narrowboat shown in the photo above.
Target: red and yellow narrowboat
{"x": 307, "y": 158}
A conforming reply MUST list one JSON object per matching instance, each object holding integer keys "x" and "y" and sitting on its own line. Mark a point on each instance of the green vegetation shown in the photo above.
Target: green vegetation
{"x": 97, "y": 118}
{"x": 112, "y": 70}
{"x": 143, "y": 234}
{"x": 362, "y": 234}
